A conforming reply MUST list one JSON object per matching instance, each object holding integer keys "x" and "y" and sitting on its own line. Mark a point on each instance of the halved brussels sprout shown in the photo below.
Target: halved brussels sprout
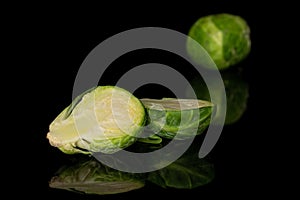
{"x": 183, "y": 118}
{"x": 104, "y": 119}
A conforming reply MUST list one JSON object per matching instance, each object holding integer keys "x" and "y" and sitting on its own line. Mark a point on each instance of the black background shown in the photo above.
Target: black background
{"x": 51, "y": 42}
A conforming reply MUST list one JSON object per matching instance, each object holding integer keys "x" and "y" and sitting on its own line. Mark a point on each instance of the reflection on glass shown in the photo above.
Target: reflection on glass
{"x": 92, "y": 177}
{"x": 237, "y": 92}
{"x": 186, "y": 173}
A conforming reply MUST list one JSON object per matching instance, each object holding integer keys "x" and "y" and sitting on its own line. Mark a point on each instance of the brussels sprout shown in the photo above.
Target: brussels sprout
{"x": 92, "y": 177}
{"x": 225, "y": 37}
{"x": 104, "y": 119}
{"x": 237, "y": 93}
{"x": 187, "y": 172}
{"x": 182, "y": 118}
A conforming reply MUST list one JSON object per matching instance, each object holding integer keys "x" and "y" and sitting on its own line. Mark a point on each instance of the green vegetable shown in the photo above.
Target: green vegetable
{"x": 92, "y": 177}
{"x": 187, "y": 172}
{"x": 225, "y": 37}
{"x": 237, "y": 93}
{"x": 182, "y": 118}
{"x": 104, "y": 119}
{"x": 153, "y": 139}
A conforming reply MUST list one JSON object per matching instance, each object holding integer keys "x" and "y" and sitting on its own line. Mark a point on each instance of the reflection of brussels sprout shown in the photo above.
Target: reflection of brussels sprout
{"x": 103, "y": 119}
{"x": 225, "y": 37}
{"x": 237, "y": 93}
{"x": 91, "y": 177}
{"x": 181, "y": 117}
{"x": 186, "y": 173}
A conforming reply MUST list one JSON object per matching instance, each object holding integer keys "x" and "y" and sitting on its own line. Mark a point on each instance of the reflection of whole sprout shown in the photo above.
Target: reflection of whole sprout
{"x": 91, "y": 177}
{"x": 225, "y": 37}
{"x": 237, "y": 93}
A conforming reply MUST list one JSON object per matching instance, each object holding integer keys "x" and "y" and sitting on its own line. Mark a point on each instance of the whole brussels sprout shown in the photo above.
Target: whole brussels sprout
{"x": 225, "y": 37}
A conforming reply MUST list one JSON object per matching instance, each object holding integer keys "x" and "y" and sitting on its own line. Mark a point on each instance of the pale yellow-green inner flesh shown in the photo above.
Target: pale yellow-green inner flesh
{"x": 102, "y": 114}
